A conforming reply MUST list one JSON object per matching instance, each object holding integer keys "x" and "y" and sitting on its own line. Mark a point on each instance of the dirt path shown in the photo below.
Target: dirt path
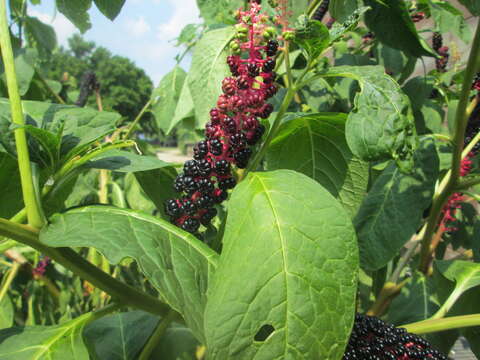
{"x": 172, "y": 155}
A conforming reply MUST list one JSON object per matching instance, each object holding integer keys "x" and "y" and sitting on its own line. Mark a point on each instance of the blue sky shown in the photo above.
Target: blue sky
{"x": 144, "y": 31}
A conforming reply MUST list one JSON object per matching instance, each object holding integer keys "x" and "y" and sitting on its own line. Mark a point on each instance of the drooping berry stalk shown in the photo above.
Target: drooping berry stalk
{"x": 321, "y": 10}
{"x": 437, "y": 45}
{"x": 372, "y": 338}
{"x": 234, "y": 125}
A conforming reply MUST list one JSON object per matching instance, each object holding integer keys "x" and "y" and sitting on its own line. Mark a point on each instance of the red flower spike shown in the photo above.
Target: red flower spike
{"x": 234, "y": 125}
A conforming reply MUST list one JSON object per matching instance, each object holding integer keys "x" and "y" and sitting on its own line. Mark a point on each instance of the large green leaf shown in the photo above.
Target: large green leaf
{"x": 392, "y": 25}
{"x": 40, "y": 35}
{"x": 124, "y": 161}
{"x": 415, "y": 302}
{"x": 315, "y": 145}
{"x": 79, "y": 126}
{"x": 449, "y": 18}
{"x": 348, "y": 23}
{"x": 136, "y": 197}
{"x": 58, "y": 342}
{"x": 342, "y": 9}
{"x": 11, "y": 200}
{"x": 286, "y": 282}
{"x": 7, "y": 312}
{"x": 25, "y": 60}
{"x": 312, "y": 36}
{"x": 178, "y": 343}
{"x": 392, "y": 210}
{"x": 167, "y": 95}
{"x": 185, "y": 108}
{"x": 472, "y": 5}
{"x": 175, "y": 262}
{"x": 120, "y": 336}
{"x": 110, "y": 8}
{"x": 77, "y": 12}
{"x": 157, "y": 185}
{"x": 381, "y": 126}
{"x": 208, "y": 69}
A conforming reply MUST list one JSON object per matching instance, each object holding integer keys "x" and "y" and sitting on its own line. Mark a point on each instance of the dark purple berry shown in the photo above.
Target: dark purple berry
{"x": 173, "y": 209}
{"x": 216, "y": 147}
{"x": 189, "y": 184}
{"x": 191, "y": 225}
{"x": 237, "y": 140}
{"x": 208, "y": 216}
{"x": 222, "y": 167}
{"x": 437, "y": 41}
{"x": 272, "y": 47}
{"x": 190, "y": 168}
{"x": 241, "y": 157}
{"x": 178, "y": 183}
{"x": 253, "y": 70}
{"x": 269, "y": 65}
{"x": 265, "y": 111}
{"x": 200, "y": 150}
{"x": 230, "y": 125}
{"x": 204, "y": 201}
{"x": 321, "y": 10}
{"x": 203, "y": 167}
{"x": 189, "y": 207}
{"x": 228, "y": 183}
{"x": 219, "y": 196}
{"x": 205, "y": 186}
{"x": 255, "y": 135}
{"x": 242, "y": 82}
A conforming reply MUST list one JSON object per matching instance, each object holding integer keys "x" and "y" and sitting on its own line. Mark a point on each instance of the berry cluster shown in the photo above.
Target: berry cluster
{"x": 417, "y": 16}
{"x": 41, "y": 267}
{"x": 437, "y": 45}
{"x": 321, "y": 10}
{"x": 234, "y": 124}
{"x": 372, "y": 338}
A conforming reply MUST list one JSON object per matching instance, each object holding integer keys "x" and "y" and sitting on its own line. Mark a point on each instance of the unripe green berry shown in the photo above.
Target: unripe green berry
{"x": 288, "y": 35}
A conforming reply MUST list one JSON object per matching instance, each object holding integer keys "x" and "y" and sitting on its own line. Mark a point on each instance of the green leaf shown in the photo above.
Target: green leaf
{"x": 381, "y": 126}
{"x": 350, "y": 22}
{"x": 11, "y": 200}
{"x": 472, "y": 5}
{"x": 77, "y": 12}
{"x": 157, "y": 185}
{"x": 185, "y": 107}
{"x": 449, "y": 19}
{"x": 342, "y": 9}
{"x": 178, "y": 343}
{"x": 208, "y": 69}
{"x": 168, "y": 93}
{"x": 392, "y": 210}
{"x": 40, "y": 35}
{"x": 136, "y": 197}
{"x": 120, "y": 336}
{"x": 48, "y": 141}
{"x": 392, "y": 25}
{"x": 58, "y": 342}
{"x": 7, "y": 312}
{"x": 175, "y": 262}
{"x": 110, "y": 8}
{"x": 415, "y": 302}
{"x": 312, "y": 36}
{"x": 124, "y": 161}
{"x": 25, "y": 60}
{"x": 291, "y": 249}
{"x": 79, "y": 126}
{"x": 315, "y": 145}
{"x": 465, "y": 274}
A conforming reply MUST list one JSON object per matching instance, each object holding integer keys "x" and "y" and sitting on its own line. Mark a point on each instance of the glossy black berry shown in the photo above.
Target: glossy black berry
{"x": 190, "y": 168}
{"x": 321, "y": 10}
{"x": 220, "y": 196}
{"x": 230, "y": 125}
{"x": 205, "y": 185}
{"x": 269, "y": 65}
{"x": 204, "y": 201}
{"x": 207, "y": 216}
{"x": 200, "y": 150}
{"x": 172, "y": 208}
{"x": 265, "y": 111}
{"x": 256, "y": 135}
{"x": 178, "y": 183}
{"x": 241, "y": 157}
{"x": 253, "y": 69}
{"x": 272, "y": 47}
{"x": 227, "y": 183}
{"x": 191, "y": 225}
{"x": 203, "y": 167}
{"x": 237, "y": 140}
{"x": 437, "y": 41}
{"x": 189, "y": 207}
{"x": 216, "y": 147}
{"x": 189, "y": 184}
{"x": 222, "y": 167}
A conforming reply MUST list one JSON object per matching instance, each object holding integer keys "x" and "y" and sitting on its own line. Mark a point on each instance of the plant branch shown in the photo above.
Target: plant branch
{"x": 156, "y": 336}
{"x": 387, "y": 294}
{"x": 467, "y": 183}
{"x": 461, "y": 119}
{"x": 48, "y": 87}
{"x": 119, "y": 291}
{"x": 35, "y": 214}
{"x": 137, "y": 119}
{"x": 449, "y": 323}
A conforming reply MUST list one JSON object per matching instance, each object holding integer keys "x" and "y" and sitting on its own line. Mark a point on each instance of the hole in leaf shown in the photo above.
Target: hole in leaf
{"x": 264, "y": 332}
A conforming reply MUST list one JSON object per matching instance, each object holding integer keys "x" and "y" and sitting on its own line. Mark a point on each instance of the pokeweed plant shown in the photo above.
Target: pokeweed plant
{"x": 333, "y": 187}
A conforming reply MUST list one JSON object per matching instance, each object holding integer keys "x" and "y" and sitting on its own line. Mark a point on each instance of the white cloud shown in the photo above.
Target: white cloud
{"x": 184, "y": 12}
{"x": 138, "y": 27}
{"x": 63, "y": 27}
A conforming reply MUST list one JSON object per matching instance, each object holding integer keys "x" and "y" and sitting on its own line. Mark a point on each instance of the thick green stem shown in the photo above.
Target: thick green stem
{"x": 32, "y": 203}
{"x": 121, "y": 292}
{"x": 461, "y": 119}
{"x": 449, "y": 323}
{"x": 468, "y": 183}
{"x": 156, "y": 336}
